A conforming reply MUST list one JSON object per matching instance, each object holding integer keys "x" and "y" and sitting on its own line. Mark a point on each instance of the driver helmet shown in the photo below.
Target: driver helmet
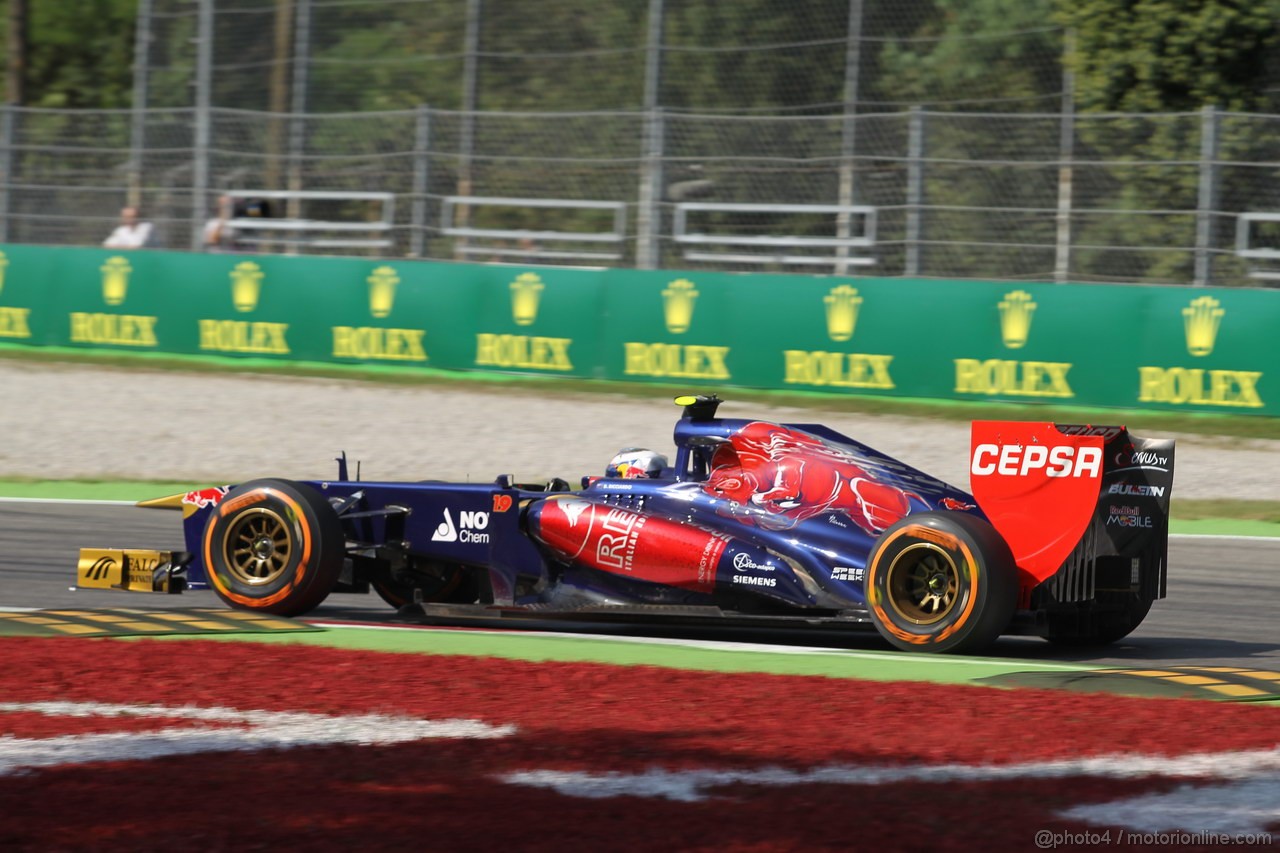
{"x": 636, "y": 462}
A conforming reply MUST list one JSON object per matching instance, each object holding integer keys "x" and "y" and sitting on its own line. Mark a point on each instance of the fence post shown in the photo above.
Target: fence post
{"x": 1208, "y": 194}
{"x": 649, "y": 194}
{"x": 204, "y": 102}
{"x": 298, "y": 106}
{"x": 848, "y": 131}
{"x": 648, "y": 215}
{"x": 467, "y": 132}
{"x": 421, "y": 164}
{"x": 1066, "y": 170}
{"x": 915, "y": 189}
{"x": 7, "y": 120}
{"x": 138, "y": 125}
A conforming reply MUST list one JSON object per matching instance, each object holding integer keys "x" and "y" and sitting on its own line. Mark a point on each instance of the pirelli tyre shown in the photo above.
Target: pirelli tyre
{"x": 941, "y": 582}
{"x": 273, "y": 546}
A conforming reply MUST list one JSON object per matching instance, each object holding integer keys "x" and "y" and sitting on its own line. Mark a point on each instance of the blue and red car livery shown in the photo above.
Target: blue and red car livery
{"x": 1063, "y": 536}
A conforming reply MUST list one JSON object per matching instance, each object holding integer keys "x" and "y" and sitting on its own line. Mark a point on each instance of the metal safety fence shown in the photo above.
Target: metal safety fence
{"x": 1187, "y": 198}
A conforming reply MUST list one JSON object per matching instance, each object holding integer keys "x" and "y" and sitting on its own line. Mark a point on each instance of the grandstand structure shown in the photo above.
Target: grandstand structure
{"x": 652, "y": 135}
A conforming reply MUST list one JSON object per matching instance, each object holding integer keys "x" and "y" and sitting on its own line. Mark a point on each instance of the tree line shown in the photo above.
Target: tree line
{"x": 1122, "y": 56}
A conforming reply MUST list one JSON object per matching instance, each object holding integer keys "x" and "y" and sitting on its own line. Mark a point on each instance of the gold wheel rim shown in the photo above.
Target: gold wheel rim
{"x": 923, "y": 584}
{"x": 257, "y": 546}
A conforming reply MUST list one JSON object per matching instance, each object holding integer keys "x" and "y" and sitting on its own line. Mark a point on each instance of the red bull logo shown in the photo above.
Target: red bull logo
{"x": 203, "y": 498}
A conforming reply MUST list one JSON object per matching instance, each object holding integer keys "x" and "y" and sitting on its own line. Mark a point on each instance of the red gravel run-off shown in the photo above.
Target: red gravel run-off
{"x": 445, "y": 795}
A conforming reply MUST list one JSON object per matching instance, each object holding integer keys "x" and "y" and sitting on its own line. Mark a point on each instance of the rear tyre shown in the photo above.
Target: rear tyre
{"x": 941, "y": 582}
{"x": 273, "y": 546}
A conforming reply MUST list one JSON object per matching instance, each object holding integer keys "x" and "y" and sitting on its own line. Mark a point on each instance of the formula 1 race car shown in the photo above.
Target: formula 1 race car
{"x": 1064, "y": 536}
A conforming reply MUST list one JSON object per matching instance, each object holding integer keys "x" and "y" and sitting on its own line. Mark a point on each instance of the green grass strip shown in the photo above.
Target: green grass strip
{"x": 872, "y": 665}
{"x": 861, "y": 664}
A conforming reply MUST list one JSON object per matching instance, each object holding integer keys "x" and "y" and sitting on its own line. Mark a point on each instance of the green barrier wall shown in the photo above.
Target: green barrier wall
{"x": 1126, "y": 346}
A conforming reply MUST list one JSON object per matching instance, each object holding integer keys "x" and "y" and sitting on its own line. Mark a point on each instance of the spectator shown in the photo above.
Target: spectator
{"x": 130, "y": 233}
{"x": 530, "y": 251}
{"x": 219, "y": 235}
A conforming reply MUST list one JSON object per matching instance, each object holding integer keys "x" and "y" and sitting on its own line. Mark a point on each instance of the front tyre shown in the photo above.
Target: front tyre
{"x": 273, "y": 546}
{"x": 941, "y": 582}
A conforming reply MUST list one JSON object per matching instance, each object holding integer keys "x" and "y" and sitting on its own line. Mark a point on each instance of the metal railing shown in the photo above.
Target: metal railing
{"x": 1263, "y": 260}
{"x": 295, "y": 230}
{"x": 755, "y": 230}
{"x": 491, "y": 241}
{"x": 942, "y": 194}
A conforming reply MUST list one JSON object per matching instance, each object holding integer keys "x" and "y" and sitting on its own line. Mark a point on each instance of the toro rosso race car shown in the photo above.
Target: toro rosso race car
{"x": 1064, "y": 536}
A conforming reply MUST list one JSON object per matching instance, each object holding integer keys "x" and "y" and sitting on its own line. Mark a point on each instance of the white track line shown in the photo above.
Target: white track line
{"x": 71, "y": 501}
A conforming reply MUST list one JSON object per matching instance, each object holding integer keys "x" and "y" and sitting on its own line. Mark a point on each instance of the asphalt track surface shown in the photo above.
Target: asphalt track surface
{"x": 1221, "y": 609}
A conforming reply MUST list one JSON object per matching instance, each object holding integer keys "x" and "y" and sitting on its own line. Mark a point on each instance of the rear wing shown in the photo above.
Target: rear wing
{"x": 1063, "y": 496}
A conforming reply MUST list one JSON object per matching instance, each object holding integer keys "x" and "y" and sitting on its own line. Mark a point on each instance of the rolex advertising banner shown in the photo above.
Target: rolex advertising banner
{"x": 344, "y": 310}
{"x": 1125, "y": 346}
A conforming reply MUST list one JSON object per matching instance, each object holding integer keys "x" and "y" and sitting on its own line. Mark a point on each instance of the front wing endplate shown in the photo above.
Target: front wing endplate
{"x": 132, "y": 569}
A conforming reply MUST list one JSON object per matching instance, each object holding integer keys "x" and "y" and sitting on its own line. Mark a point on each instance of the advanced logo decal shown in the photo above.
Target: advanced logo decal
{"x": 1140, "y": 460}
{"x": 849, "y": 574}
{"x": 101, "y": 567}
{"x": 821, "y": 368}
{"x": 244, "y": 337}
{"x": 1015, "y": 318}
{"x": 201, "y": 498}
{"x": 1008, "y": 377}
{"x": 470, "y": 528}
{"x": 376, "y": 343}
{"x": 1127, "y": 516}
{"x": 1179, "y": 386}
{"x": 527, "y": 352}
{"x": 1014, "y": 460}
{"x": 97, "y": 327}
{"x": 744, "y": 563}
{"x": 14, "y": 322}
{"x": 677, "y": 361}
{"x": 1136, "y": 490}
{"x": 1038, "y": 487}
{"x": 526, "y": 291}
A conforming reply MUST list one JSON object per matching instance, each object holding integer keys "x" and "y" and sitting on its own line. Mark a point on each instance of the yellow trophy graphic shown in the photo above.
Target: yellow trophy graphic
{"x": 677, "y": 305}
{"x": 1202, "y": 318}
{"x": 382, "y": 290}
{"x": 1015, "y": 318}
{"x": 526, "y": 290}
{"x": 4, "y": 262}
{"x": 842, "y": 311}
{"x": 246, "y": 285}
{"x": 115, "y": 280}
